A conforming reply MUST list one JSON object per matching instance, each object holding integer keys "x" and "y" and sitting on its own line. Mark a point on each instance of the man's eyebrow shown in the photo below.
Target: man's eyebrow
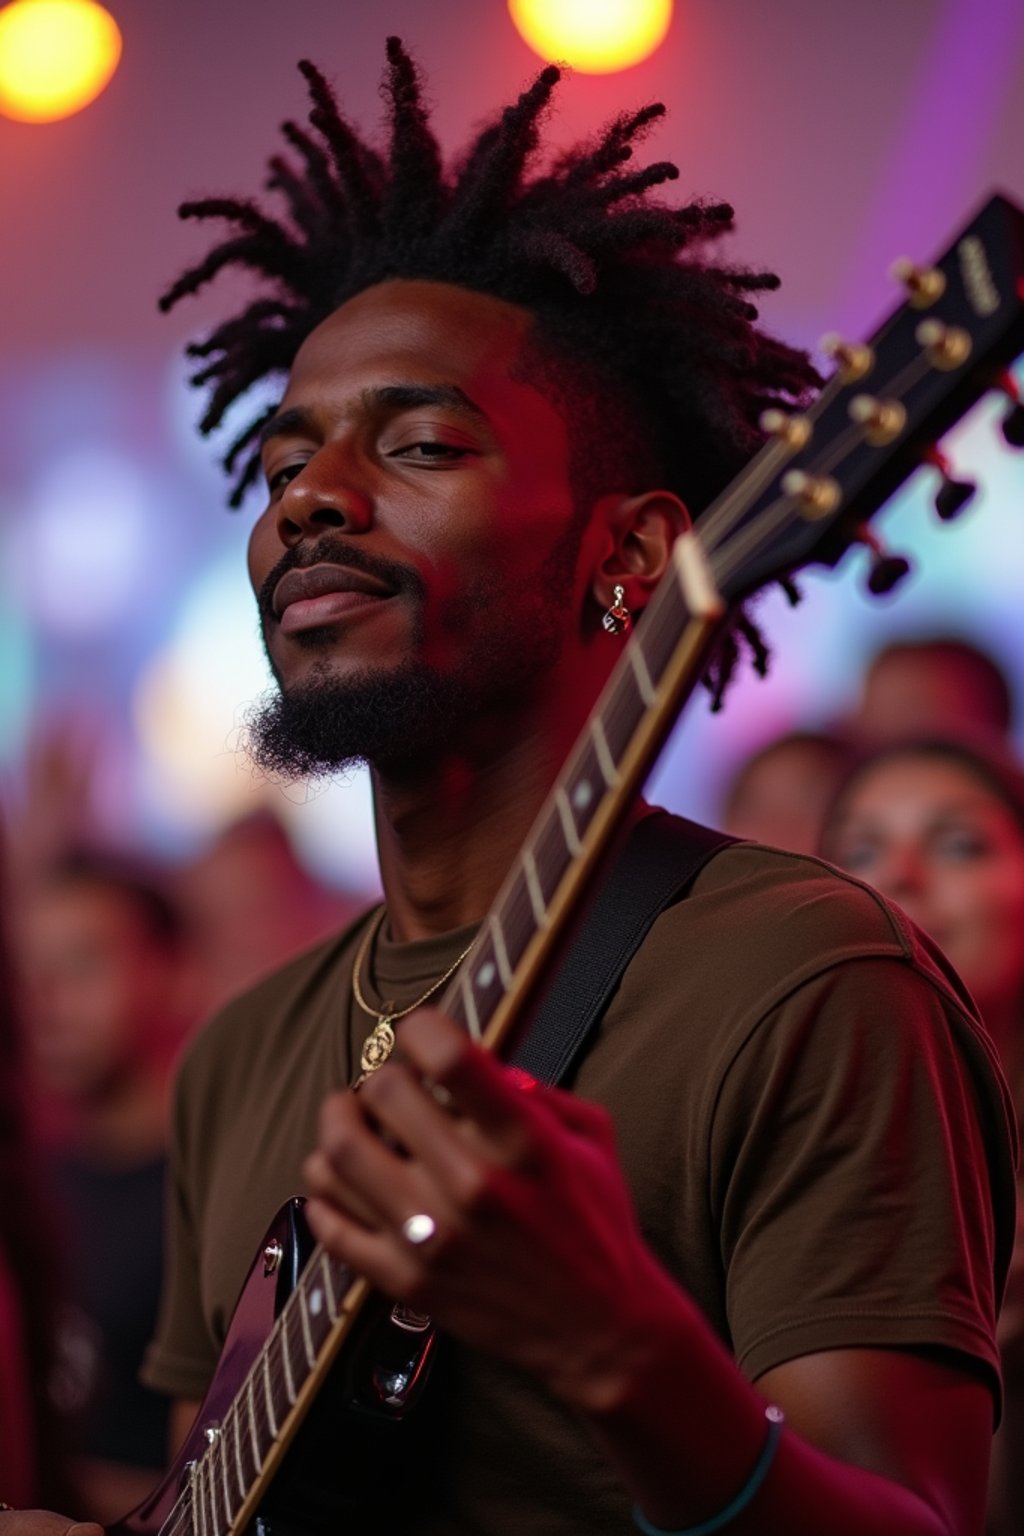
{"x": 295, "y": 419}
{"x": 392, "y": 397}
{"x": 404, "y": 397}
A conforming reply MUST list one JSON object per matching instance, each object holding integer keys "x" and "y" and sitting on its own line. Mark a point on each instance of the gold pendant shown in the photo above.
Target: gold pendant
{"x": 378, "y": 1045}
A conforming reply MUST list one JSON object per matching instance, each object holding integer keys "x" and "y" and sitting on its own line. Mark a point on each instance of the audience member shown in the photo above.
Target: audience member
{"x": 31, "y": 1441}
{"x": 943, "y": 686}
{"x": 252, "y": 905}
{"x": 780, "y": 795}
{"x": 938, "y": 826}
{"x": 105, "y": 988}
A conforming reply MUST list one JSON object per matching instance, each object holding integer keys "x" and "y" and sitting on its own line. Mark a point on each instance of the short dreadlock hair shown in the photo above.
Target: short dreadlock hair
{"x": 626, "y": 302}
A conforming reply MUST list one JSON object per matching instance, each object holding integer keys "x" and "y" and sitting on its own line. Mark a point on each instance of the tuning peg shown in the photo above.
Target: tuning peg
{"x": 815, "y": 495}
{"x": 852, "y": 358}
{"x": 887, "y": 570}
{"x": 945, "y": 346}
{"x": 1013, "y": 421}
{"x": 882, "y": 420}
{"x": 924, "y": 285}
{"x": 952, "y": 495}
{"x": 790, "y": 428}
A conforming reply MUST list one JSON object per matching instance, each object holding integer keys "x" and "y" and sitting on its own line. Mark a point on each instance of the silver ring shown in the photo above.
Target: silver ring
{"x": 419, "y": 1229}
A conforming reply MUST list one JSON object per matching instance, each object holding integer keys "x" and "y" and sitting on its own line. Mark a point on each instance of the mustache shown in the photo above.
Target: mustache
{"x": 332, "y": 550}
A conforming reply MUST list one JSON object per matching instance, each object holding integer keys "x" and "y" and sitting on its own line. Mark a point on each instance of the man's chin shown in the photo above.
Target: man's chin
{"x": 324, "y": 723}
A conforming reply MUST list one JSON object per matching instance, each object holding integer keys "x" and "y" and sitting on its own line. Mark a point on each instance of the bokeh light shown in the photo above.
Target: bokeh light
{"x": 56, "y": 56}
{"x": 594, "y": 36}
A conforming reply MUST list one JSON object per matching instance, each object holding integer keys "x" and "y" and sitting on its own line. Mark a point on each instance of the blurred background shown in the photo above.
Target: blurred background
{"x": 845, "y": 136}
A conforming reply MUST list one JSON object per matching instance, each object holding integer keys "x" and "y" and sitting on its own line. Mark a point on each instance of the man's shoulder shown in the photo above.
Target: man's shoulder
{"x": 788, "y": 915}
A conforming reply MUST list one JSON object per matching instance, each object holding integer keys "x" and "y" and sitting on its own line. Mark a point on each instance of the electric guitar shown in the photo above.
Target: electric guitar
{"x": 304, "y": 1323}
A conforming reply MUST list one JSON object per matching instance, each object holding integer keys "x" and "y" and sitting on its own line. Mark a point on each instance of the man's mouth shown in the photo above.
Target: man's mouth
{"x": 321, "y": 594}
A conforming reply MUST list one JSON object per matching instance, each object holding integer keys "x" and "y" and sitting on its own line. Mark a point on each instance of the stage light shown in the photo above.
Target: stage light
{"x": 56, "y": 56}
{"x": 594, "y": 36}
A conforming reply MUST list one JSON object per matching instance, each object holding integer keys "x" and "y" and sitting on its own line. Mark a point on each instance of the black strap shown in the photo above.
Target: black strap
{"x": 660, "y": 860}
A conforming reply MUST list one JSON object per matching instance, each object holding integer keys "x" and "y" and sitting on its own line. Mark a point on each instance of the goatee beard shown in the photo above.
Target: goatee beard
{"x": 326, "y": 725}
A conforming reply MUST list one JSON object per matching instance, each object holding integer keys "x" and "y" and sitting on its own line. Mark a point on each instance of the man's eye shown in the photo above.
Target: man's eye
{"x": 282, "y": 477}
{"x": 430, "y": 449}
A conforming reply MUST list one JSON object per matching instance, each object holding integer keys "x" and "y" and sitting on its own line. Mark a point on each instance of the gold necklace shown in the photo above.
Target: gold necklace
{"x": 380, "y": 1042}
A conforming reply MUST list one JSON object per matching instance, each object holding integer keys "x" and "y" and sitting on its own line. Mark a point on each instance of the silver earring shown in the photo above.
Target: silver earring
{"x": 618, "y": 620}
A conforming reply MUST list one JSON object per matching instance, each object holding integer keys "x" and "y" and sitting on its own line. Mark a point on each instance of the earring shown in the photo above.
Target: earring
{"x": 618, "y": 620}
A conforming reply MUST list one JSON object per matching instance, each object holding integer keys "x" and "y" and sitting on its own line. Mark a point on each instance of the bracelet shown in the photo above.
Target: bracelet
{"x": 776, "y": 1418}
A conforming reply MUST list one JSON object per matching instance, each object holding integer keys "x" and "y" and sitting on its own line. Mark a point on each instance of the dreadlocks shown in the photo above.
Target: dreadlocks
{"x": 627, "y": 306}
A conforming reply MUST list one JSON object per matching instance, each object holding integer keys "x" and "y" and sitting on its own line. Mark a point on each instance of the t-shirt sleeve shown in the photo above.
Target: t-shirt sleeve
{"x": 862, "y": 1174}
{"x": 182, "y": 1356}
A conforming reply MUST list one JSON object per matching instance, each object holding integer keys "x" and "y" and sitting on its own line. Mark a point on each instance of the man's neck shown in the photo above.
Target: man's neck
{"x": 448, "y": 832}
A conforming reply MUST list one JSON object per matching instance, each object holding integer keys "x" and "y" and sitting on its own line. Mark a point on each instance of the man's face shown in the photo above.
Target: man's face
{"x": 419, "y": 539}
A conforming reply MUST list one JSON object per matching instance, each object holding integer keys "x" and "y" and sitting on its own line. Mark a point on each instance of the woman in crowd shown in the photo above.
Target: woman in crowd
{"x": 938, "y": 826}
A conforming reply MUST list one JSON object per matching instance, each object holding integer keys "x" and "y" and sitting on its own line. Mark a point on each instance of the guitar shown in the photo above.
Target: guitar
{"x": 807, "y": 497}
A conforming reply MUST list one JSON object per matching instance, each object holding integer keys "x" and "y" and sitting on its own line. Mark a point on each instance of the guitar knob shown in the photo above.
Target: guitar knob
{"x": 852, "y": 358}
{"x": 882, "y": 420}
{"x": 815, "y": 495}
{"x": 945, "y": 346}
{"x": 887, "y": 570}
{"x": 1013, "y": 422}
{"x": 952, "y": 495}
{"x": 789, "y": 428}
{"x": 924, "y": 285}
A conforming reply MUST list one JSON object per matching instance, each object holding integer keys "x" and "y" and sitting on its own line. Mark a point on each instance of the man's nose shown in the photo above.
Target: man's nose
{"x": 323, "y": 495}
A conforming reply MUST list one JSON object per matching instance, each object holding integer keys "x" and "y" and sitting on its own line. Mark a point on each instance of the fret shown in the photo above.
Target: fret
{"x": 487, "y": 985}
{"x": 318, "y": 1315}
{"x": 221, "y": 1456}
{"x": 644, "y": 681}
{"x": 585, "y": 783}
{"x": 307, "y": 1336}
{"x": 572, "y": 837}
{"x": 332, "y": 1300}
{"x": 285, "y": 1352}
{"x": 209, "y": 1514}
{"x": 257, "y": 1454}
{"x": 236, "y": 1439}
{"x": 465, "y": 991}
{"x": 551, "y": 853}
{"x": 196, "y": 1487}
{"x": 537, "y": 902}
{"x": 663, "y": 625}
{"x": 621, "y": 714}
{"x": 604, "y": 756}
{"x": 268, "y": 1394}
{"x": 518, "y": 919}
{"x": 500, "y": 952}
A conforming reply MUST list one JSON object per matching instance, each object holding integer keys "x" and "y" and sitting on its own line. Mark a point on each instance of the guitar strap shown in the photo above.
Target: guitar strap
{"x": 658, "y": 864}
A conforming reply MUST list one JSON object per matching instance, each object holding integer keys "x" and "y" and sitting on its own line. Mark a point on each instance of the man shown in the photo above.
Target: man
{"x": 501, "y": 393}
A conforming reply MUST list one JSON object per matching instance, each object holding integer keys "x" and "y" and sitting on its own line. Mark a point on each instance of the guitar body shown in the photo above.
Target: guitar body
{"x": 354, "y": 1433}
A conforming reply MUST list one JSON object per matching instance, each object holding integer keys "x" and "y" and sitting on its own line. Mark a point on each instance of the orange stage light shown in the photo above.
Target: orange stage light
{"x": 55, "y": 57}
{"x": 594, "y": 36}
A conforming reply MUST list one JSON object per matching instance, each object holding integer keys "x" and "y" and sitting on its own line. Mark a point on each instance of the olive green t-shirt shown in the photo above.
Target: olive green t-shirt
{"x": 812, "y": 1124}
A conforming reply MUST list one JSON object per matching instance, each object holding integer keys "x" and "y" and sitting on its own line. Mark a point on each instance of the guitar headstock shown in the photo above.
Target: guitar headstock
{"x": 810, "y": 493}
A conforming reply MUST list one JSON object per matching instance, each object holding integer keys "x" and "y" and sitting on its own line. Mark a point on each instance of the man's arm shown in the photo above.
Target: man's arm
{"x": 537, "y": 1259}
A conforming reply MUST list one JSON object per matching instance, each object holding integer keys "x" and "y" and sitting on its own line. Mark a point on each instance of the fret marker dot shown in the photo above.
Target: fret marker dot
{"x": 486, "y": 974}
{"x": 316, "y": 1302}
{"x": 582, "y": 795}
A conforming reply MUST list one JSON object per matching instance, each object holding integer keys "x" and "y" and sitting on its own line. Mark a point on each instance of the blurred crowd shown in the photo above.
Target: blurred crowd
{"x": 110, "y": 964}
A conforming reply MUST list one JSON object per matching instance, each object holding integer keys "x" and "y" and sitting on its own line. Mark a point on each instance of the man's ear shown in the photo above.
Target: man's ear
{"x": 638, "y": 533}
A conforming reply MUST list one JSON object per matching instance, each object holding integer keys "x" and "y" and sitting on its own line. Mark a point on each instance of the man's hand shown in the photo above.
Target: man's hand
{"x": 535, "y": 1257}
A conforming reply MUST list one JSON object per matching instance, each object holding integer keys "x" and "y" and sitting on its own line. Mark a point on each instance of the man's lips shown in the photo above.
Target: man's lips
{"x": 319, "y": 594}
